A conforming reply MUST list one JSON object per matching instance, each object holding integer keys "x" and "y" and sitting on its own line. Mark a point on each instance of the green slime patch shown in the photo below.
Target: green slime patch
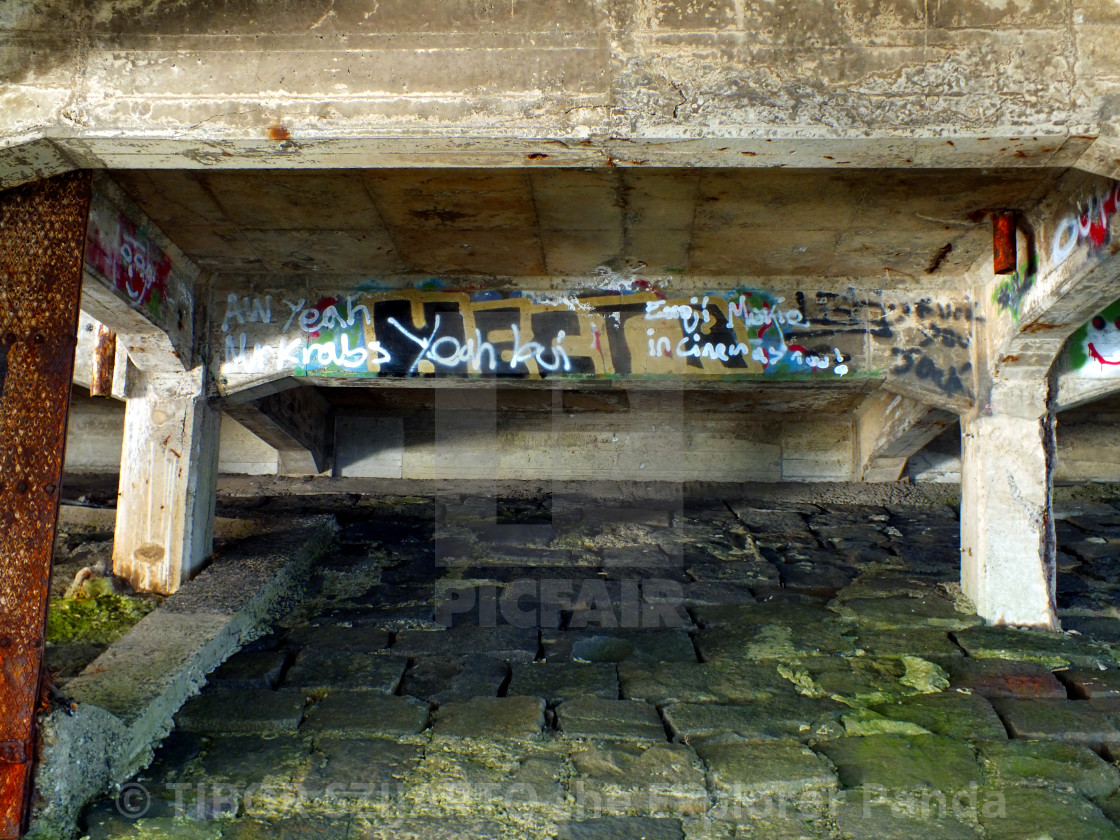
{"x": 101, "y": 620}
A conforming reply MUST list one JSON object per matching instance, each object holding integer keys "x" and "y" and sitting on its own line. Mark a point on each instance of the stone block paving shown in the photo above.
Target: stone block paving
{"x": 548, "y": 667}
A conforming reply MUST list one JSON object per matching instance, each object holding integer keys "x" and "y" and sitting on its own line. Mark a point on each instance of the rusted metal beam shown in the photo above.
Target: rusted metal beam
{"x": 1003, "y": 243}
{"x": 104, "y": 363}
{"x": 42, "y": 237}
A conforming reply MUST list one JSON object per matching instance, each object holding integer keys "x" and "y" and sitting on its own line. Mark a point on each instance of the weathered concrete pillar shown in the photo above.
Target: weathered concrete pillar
{"x": 169, "y": 466}
{"x": 42, "y": 233}
{"x": 1007, "y": 527}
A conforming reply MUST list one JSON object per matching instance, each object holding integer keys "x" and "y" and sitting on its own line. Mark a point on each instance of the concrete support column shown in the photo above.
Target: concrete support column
{"x": 169, "y": 467}
{"x": 1007, "y": 527}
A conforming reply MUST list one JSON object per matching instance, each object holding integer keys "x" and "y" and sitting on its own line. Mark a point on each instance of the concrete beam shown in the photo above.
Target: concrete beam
{"x": 169, "y": 466}
{"x": 555, "y": 82}
{"x": 616, "y": 327}
{"x": 298, "y": 423}
{"x": 1069, "y": 270}
{"x": 889, "y": 429}
{"x": 569, "y": 82}
{"x": 1089, "y": 366}
{"x": 138, "y": 283}
{"x": 1074, "y": 389}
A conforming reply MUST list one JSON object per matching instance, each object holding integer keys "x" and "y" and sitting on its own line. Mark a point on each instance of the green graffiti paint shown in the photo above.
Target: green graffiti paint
{"x": 1009, "y": 293}
{"x": 1095, "y": 347}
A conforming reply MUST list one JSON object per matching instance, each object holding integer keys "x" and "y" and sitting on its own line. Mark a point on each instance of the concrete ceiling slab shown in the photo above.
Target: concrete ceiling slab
{"x": 565, "y": 222}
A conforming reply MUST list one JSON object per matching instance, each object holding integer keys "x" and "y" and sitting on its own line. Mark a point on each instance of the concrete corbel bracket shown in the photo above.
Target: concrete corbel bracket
{"x": 138, "y": 283}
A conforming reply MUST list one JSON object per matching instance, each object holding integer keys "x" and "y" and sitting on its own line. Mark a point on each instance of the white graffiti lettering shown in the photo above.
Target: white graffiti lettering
{"x": 1090, "y": 224}
{"x": 448, "y": 351}
{"x": 247, "y": 310}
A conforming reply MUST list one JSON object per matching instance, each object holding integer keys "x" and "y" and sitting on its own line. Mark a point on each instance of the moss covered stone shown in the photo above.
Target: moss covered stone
{"x": 1050, "y": 765}
{"x": 966, "y": 717}
{"x": 1039, "y": 813}
{"x": 900, "y": 762}
{"x": 1054, "y": 650}
{"x": 101, "y": 620}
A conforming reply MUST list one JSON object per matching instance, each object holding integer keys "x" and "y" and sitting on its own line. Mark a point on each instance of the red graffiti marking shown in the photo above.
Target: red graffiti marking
{"x": 1098, "y": 357}
{"x": 647, "y": 286}
{"x": 1091, "y": 224}
{"x": 122, "y": 253}
{"x": 768, "y": 322}
{"x": 321, "y": 307}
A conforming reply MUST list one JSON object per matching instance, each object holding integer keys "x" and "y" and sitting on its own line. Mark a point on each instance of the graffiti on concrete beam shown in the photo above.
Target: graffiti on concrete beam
{"x": 437, "y": 333}
{"x": 1094, "y": 350}
{"x": 124, "y": 253}
{"x": 1011, "y": 291}
{"x": 1087, "y": 224}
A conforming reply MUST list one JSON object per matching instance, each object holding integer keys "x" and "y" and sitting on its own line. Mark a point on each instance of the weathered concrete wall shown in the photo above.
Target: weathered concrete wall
{"x": 93, "y": 434}
{"x": 115, "y": 83}
{"x": 96, "y": 430}
{"x": 661, "y": 435}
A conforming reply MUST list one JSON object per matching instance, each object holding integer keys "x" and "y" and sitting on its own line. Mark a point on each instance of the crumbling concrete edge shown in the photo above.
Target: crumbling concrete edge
{"x": 125, "y": 700}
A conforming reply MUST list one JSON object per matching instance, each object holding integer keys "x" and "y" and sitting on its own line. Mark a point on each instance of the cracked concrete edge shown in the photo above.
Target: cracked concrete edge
{"x": 126, "y": 699}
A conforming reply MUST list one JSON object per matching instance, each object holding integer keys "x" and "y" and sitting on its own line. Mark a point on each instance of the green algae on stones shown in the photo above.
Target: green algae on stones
{"x": 890, "y": 612}
{"x": 1050, "y": 765}
{"x": 778, "y": 717}
{"x": 866, "y": 722}
{"x": 615, "y": 720}
{"x": 1038, "y": 813}
{"x": 966, "y": 717}
{"x": 923, "y": 676}
{"x": 498, "y": 718}
{"x": 626, "y": 778}
{"x": 928, "y": 643}
{"x": 903, "y": 762}
{"x": 863, "y": 680}
{"x": 155, "y": 828}
{"x": 484, "y": 777}
{"x": 99, "y": 620}
{"x": 695, "y": 682}
{"x": 764, "y": 769}
{"x": 860, "y": 815}
{"x": 1054, "y": 650}
{"x": 621, "y": 828}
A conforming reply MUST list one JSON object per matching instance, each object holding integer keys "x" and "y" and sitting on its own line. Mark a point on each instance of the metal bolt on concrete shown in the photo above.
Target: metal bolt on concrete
{"x": 769, "y": 676}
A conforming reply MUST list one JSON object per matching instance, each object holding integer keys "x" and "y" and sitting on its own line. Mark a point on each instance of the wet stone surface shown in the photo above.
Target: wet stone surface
{"x": 716, "y": 669}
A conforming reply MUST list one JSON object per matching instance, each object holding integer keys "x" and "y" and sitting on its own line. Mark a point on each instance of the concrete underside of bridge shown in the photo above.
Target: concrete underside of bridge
{"x": 571, "y": 240}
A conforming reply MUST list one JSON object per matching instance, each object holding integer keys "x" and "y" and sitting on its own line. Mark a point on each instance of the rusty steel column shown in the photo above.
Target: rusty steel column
{"x": 42, "y": 238}
{"x": 1003, "y": 243}
{"x": 104, "y": 363}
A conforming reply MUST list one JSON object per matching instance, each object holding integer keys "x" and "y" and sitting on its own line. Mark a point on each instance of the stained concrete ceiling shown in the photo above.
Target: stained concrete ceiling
{"x": 915, "y": 227}
{"x": 797, "y": 399}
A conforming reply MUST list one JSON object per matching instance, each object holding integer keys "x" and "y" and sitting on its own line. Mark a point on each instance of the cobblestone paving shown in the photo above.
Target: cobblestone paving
{"x": 718, "y": 670}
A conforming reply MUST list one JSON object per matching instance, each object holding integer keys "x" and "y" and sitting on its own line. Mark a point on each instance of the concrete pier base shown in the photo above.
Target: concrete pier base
{"x": 169, "y": 463}
{"x": 1007, "y": 528}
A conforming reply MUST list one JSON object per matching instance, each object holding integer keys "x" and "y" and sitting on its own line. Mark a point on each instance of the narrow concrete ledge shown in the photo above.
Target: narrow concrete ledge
{"x": 231, "y": 488}
{"x": 126, "y": 698}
